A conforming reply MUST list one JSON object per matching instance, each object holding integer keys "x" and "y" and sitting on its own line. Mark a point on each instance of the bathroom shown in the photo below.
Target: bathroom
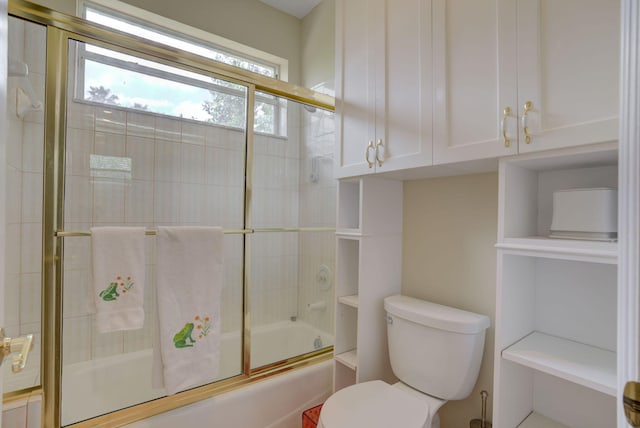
{"x": 460, "y": 230}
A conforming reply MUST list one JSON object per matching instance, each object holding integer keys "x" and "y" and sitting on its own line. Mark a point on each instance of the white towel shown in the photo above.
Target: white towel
{"x": 189, "y": 286}
{"x": 117, "y": 277}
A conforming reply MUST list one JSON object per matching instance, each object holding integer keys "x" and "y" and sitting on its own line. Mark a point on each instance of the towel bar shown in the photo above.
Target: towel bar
{"x": 71, "y": 233}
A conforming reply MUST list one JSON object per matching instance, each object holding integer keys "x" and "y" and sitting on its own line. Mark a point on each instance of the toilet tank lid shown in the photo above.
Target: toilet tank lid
{"x": 435, "y": 315}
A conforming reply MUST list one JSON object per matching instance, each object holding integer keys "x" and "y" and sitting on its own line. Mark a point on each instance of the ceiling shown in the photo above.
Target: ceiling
{"x": 297, "y": 8}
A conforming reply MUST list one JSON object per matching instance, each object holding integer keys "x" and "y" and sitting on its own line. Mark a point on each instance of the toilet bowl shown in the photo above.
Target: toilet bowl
{"x": 376, "y": 404}
{"x": 435, "y": 351}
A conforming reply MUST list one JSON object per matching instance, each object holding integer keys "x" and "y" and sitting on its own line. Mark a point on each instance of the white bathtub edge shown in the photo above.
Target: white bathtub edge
{"x": 276, "y": 402}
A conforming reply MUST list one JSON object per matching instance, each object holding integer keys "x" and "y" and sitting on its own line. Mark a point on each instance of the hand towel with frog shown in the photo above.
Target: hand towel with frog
{"x": 189, "y": 285}
{"x": 117, "y": 277}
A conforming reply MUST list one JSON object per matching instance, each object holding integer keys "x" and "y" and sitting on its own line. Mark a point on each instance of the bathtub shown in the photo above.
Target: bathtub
{"x": 100, "y": 386}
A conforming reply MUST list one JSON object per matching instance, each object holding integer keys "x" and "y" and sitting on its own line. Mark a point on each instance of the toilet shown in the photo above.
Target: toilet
{"x": 435, "y": 351}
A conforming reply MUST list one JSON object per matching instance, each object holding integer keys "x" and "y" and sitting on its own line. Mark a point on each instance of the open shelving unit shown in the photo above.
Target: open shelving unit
{"x": 368, "y": 239}
{"x": 556, "y": 299}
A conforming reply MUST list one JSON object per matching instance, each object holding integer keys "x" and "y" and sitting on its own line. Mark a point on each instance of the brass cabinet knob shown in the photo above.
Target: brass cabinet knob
{"x": 631, "y": 403}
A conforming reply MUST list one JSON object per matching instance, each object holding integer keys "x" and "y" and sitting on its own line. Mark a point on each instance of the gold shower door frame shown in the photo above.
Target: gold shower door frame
{"x": 61, "y": 29}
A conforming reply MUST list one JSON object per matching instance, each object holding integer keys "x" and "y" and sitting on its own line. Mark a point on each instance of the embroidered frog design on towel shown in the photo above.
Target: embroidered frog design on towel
{"x": 110, "y": 293}
{"x": 181, "y": 337}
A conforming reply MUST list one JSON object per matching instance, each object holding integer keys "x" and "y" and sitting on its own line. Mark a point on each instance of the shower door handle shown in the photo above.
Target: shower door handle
{"x": 22, "y": 345}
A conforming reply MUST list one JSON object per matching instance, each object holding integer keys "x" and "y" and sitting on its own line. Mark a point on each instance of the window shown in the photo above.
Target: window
{"x": 185, "y": 94}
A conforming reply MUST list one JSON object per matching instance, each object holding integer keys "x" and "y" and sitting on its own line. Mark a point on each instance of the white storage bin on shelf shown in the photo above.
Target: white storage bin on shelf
{"x": 526, "y": 188}
{"x": 556, "y": 299}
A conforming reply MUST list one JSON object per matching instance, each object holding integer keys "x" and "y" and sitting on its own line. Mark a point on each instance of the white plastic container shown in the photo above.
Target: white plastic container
{"x": 585, "y": 214}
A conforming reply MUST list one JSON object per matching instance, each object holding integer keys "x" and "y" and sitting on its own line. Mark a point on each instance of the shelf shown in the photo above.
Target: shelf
{"x": 594, "y": 251}
{"x": 584, "y": 365}
{"x": 536, "y": 420}
{"x": 349, "y": 359}
{"x": 349, "y": 300}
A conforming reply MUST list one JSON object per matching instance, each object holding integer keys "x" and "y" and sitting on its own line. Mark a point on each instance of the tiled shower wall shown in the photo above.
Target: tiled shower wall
{"x": 317, "y": 209}
{"x": 25, "y": 145}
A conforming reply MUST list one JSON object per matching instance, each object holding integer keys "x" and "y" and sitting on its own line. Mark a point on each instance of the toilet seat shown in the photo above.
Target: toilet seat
{"x": 377, "y": 404}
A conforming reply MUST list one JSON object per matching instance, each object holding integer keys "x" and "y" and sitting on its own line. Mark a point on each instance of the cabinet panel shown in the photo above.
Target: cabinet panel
{"x": 355, "y": 86}
{"x": 568, "y": 54}
{"x": 475, "y": 79}
{"x": 406, "y": 118}
{"x": 384, "y": 85}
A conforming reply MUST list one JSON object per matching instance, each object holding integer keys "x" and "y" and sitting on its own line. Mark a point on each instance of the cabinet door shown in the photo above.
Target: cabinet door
{"x": 404, "y": 101}
{"x": 568, "y": 55}
{"x": 475, "y": 79}
{"x": 355, "y": 86}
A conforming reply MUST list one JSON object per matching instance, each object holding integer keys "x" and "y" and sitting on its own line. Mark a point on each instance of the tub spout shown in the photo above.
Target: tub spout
{"x": 319, "y": 306}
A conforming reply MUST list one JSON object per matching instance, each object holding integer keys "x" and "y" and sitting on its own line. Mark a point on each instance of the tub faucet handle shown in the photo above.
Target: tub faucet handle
{"x": 22, "y": 345}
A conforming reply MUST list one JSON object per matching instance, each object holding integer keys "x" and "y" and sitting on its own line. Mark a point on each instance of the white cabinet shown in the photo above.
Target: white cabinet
{"x": 556, "y": 308}
{"x": 369, "y": 251}
{"x": 474, "y": 79}
{"x": 383, "y": 85}
{"x": 519, "y": 76}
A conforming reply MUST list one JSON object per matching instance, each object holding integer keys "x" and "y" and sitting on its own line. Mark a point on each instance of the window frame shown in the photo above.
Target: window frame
{"x": 181, "y": 33}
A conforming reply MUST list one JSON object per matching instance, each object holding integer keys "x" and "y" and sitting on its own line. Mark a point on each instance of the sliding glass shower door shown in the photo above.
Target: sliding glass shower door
{"x": 147, "y": 144}
{"x": 152, "y": 143}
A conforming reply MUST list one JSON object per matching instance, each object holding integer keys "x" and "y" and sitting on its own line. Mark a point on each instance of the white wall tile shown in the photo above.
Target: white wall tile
{"x": 141, "y": 151}
{"x": 141, "y": 125}
{"x": 32, "y": 198}
{"x": 167, "y": 207}
{"x": 139, "y": 202}
{"x": 194, "y": 133}
{"x": 109, "y": 144}
{"x": 31, "y": 238}
{"x": 11, "y": 299}
{"x": 30, "y": 298}
{"x": 78, "y": 200}
{"x": 233, "y": 139}
{"x": 193, "y": 164}
{"x": 167, "y": 161}
{"x": 110, "y": 120}
{"x": 76, "y": 292}
{"x": 13, "y": 248}
{"x": 35, "y": 44}
{"x": 33, "y": 148}
{"x": 79, "y": 147}
{"x": 16, "y": 38}
{"x": 76, "y": 343}
{"x": 14, "y": 144}
{"x": 13, "y": 206}
{"x": 108, "y": 200}
{"x": 192, "y": 204}
{"x": 80, "y": 116}
{"x": 168, "y": 129}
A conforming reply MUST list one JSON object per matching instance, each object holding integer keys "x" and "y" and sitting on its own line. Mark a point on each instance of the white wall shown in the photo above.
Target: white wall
{"x": 318, "y": 48}
{"x": 449, "y": 232}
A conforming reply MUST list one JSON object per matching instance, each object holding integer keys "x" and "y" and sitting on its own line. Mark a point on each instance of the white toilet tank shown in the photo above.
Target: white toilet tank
{"x": 433, "y": 348}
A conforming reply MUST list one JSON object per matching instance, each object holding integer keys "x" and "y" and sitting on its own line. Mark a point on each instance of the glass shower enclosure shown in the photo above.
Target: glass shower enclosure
{"x": 150, "y": 142}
